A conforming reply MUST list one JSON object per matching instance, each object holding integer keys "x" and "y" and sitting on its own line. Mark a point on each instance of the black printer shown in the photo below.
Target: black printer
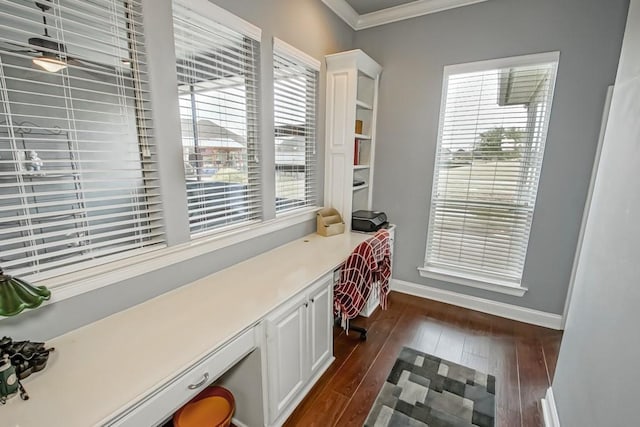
{"x": 368, "y": 221}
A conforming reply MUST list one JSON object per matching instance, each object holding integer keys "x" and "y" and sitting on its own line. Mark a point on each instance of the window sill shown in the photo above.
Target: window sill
{"x": 500, "y": 286}
{"x": 76, "y": 283}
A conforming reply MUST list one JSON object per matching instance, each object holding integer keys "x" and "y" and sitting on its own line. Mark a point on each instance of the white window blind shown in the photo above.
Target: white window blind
{"x": 491, "y": 140}
{"x": 295, "y": 104}
{"x": 77, "y": 165}
{"x": 218, "y": 70}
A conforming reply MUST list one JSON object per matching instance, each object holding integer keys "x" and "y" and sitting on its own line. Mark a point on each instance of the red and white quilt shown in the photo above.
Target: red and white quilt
{"x": 368, "y": 265}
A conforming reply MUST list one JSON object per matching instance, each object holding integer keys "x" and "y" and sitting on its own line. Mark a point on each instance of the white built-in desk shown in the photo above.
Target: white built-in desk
{"x": 102, "y": 370}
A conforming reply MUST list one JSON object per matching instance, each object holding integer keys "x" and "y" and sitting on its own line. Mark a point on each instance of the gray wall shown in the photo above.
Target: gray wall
{"x": 596, "y": 377}
{"x": 588, "y": 35}
{"x": 305, "y": 24}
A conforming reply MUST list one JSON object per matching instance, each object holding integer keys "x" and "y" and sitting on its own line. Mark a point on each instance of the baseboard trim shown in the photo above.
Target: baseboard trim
{"x": 238, "y": 423}
{"x": 509, "y": 311}
{"x": 549, "y": 411}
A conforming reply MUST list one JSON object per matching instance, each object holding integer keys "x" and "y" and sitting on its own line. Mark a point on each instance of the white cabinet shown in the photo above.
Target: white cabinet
{"x": 320, "y": 330}
{"x": 287, "y": 354}
{"x": 352, "y": 101}
{"x": 299, "y": 347}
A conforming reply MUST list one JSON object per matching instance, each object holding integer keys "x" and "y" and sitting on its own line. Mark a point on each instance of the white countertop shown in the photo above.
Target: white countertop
{"x": 105, "y": 367}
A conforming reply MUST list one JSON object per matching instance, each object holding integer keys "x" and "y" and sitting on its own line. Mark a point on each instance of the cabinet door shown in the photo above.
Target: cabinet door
{"x": 287, "y": 354}
{"x": 320, "y": 323}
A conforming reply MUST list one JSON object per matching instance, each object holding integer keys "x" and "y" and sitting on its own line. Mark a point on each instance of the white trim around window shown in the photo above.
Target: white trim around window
{"x": 510, "y": 62}
{"x": 458, "y": 278}
{"x": 492, "y": 132}
{"x": 76, "y": 283}
{"x": 78, "y": 161}
{"x": 219, "y": 76}
{"x": 284, "y": 48}
{"x": 111, "y": 270}
{"x": 206, "y": 8}
{"x": 295, "y": 120}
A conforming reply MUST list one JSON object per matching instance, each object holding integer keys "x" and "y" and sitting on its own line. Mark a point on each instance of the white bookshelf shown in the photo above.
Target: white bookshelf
{"x": 352, "y": 94}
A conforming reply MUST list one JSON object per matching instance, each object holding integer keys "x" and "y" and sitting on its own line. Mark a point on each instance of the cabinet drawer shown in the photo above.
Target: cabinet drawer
{"x": 167, "y": 399}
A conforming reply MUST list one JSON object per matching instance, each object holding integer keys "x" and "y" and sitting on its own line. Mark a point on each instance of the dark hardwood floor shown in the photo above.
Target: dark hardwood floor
{"x": 522, "y": 357}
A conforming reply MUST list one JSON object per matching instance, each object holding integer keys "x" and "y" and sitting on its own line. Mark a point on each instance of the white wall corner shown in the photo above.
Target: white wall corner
{"x": 549, "y": 410}
{"x": 509, "y": 311}
{"x": 344, "y": 12}
{"x": 587, "y": 204}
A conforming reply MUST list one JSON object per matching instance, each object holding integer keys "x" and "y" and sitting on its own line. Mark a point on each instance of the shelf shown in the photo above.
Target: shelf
{"x": 358, "y": 94}
{"x": 363, "y": 105}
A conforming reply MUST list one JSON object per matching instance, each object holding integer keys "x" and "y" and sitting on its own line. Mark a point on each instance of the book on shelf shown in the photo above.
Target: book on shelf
{"x": 356, "y": 152}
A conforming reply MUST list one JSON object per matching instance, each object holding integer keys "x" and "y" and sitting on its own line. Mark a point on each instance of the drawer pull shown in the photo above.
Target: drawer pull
{"x": 200, "y": 383}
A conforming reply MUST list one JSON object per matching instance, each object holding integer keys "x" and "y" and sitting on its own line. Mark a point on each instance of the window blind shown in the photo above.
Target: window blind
{"x": 489, "y": 156}
{"x": 218, "y": 69}
{"x": 295, "y": 102}
{"x": 77, "y": 163}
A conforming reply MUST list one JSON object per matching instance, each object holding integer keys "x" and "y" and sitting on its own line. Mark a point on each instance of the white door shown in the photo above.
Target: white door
{"x": 287, "y": 354}
{"x": 320, "y": 323}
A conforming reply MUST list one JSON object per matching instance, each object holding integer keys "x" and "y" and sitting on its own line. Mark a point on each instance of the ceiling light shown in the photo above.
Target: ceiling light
{"x": 47, "y": 63}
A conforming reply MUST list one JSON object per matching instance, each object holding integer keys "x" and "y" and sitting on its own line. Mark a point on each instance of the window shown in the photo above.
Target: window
{"x": 217, "y": 71}
{"x": 77, "y": 168}
{"x": 491, "y": 140}
{"x": 295, "y": 88}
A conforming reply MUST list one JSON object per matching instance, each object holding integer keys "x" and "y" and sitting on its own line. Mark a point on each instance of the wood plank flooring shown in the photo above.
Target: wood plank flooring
{"x": 522, "y": 357}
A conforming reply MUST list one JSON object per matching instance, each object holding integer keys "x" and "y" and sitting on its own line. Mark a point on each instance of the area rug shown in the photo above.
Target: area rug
{"x": 423, "y": 390}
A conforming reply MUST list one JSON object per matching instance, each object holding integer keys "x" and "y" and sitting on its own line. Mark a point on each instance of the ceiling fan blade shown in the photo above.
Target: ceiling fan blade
{"x": 23, "y": 45}
{"x": 16, "y": 47}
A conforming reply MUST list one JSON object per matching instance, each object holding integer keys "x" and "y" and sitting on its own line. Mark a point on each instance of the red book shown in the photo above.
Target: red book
{"x": 356, "y": 152}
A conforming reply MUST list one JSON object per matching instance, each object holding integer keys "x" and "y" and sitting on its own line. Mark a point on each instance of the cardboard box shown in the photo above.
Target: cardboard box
{"x": 329, "y": 222}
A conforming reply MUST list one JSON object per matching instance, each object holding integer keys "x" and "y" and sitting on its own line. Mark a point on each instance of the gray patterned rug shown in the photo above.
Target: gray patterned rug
{"x": 423, "y": 390}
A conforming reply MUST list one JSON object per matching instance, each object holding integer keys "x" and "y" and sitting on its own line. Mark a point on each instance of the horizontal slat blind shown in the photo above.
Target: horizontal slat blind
{"x": 295, "y": 121}
{"x": 218, "y": 86}
{"x": 488, "y": 162}
{"x": 77, "y": 164}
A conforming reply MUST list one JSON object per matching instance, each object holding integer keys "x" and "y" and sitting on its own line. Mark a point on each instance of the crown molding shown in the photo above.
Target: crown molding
{"x": 392, "y": 14}
{"x": 409, "y": 10}
{"x": 344, "y": 12}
